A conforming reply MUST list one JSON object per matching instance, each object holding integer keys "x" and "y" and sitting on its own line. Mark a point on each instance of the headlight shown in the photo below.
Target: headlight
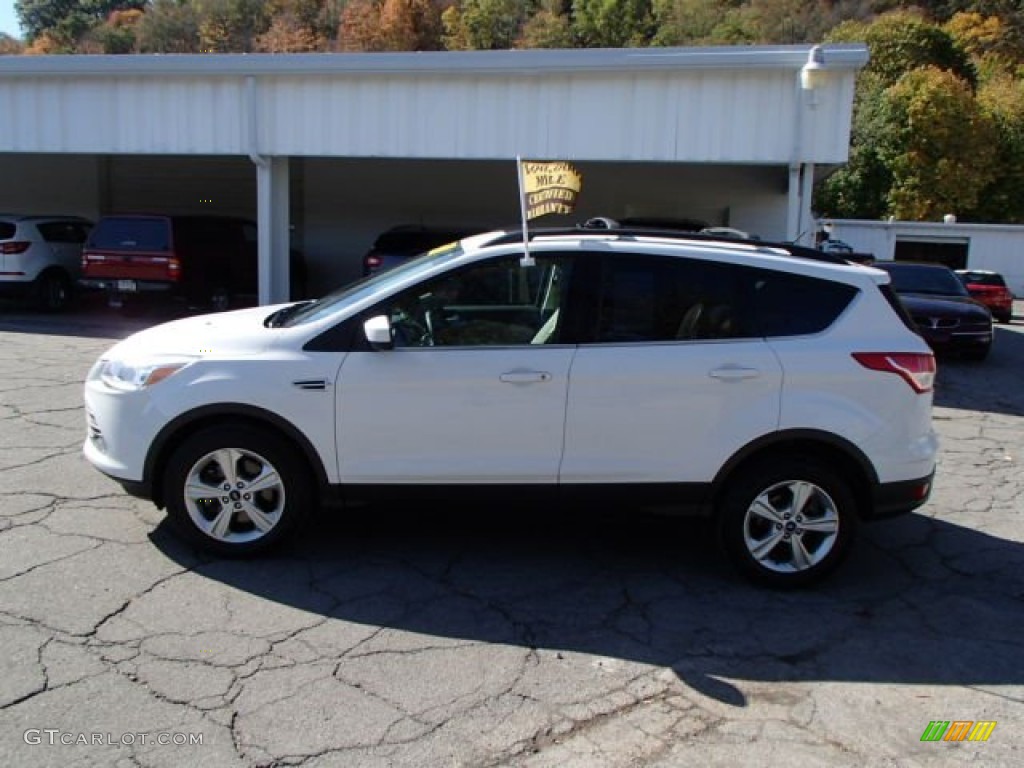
{"x": 130, "y": 376}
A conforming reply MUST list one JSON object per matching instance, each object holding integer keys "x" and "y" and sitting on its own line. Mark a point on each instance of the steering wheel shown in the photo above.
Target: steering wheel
{"x": 412, "y": 332}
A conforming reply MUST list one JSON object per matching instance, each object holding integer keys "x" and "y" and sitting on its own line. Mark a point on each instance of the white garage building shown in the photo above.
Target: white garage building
{"x": 327, "y": 150}
{"x": 998, "y": 247}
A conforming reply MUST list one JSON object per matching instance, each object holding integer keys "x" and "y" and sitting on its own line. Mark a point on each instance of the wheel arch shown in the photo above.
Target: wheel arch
{"x": 838, "y": 453}
{"x": 187, "y": 424}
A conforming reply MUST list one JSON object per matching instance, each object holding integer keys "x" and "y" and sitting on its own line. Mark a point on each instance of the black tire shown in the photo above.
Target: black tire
{"x": 53, "y": 291}
{"x": 224, "y": 522}
{"x": 1005, "y": 317}
{"x": 773, "y": 483}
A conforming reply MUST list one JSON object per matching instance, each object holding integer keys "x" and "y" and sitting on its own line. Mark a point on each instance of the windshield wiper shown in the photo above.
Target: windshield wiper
{"x": 278, "y": 318}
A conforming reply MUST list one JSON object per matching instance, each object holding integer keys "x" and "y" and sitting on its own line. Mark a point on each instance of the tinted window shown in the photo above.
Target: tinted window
{"x": 7, "y": 230}
{"x": 983, "y": 278}
{"x": 493, "y": 303}
{"x": 671, "y": 299}
{"x": 919, "y": 278}
{"x": 62, "y": 232}
{"x": 795, "y": 305}
{"x": 135, "y": 234}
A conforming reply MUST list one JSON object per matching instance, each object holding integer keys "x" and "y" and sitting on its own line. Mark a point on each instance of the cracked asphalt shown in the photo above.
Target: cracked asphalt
{"x": 494, "y": 636}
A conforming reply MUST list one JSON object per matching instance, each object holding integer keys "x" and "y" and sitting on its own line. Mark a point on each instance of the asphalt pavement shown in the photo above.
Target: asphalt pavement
{"x": 495, "y": 635}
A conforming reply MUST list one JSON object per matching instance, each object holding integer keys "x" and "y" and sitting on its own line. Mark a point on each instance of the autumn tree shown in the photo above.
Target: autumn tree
{"x": 902, "y": 41}
{"x": 549, "y": 27}
{"x": 230, "y": 26}
{"x": 940, "y": 146}
{"x": 10, "y": 45}
{"x": 1002, "y": 100}
{"x": 115, "y": 35}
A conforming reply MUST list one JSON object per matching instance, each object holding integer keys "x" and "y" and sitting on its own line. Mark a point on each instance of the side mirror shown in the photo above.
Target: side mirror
{"x": 378, "y": 332}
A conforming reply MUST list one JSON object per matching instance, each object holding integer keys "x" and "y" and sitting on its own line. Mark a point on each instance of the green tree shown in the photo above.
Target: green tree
{"x": 484, "y": 24}
{"x": 65, "y": 21}
{"x": 940, "y": 146}
{"x": 168, "y": 26}
{"x": 612, "y": 23}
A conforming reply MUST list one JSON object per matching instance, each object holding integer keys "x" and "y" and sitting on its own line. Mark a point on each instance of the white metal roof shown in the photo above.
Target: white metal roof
{"x": 704, "y": 105}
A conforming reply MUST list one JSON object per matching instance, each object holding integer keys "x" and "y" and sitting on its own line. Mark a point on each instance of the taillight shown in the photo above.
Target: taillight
{"x": 174, "y": 268}
{"x": 13, "y": 247}
{"x": 917, "y": 369}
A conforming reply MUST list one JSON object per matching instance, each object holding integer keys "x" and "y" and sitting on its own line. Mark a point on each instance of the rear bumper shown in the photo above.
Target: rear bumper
{"x": 141, "y": 286}
{"x": 899, "y": 498}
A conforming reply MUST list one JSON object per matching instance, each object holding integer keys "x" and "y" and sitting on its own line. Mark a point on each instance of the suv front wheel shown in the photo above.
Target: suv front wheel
{"x": 787, "y": 521}
{"x": 236, "y": 490}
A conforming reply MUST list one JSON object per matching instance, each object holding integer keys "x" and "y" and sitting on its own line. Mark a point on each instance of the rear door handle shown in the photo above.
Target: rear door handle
{"x": 525, "y": 377}
{"x": 734, "y": 373}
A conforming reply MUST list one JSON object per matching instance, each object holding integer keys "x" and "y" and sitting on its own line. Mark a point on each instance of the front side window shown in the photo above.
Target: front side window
{"x": 654, "y": 298}
{"x": 493, "y": 303}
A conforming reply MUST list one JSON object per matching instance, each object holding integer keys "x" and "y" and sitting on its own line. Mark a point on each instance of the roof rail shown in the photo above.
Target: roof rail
{"x": 611, "y": 228}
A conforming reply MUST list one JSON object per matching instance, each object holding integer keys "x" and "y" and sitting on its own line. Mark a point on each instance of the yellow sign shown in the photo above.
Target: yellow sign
{"x": 550, "y": 188}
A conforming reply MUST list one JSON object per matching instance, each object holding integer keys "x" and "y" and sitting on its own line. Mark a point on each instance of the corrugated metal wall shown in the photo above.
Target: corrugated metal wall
{"x": 680, "y": 116}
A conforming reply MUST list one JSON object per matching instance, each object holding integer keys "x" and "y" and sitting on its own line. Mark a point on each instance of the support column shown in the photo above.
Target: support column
{"x": 272, "y": 199}
{"x": 793, "y": 204}
{"x": 805, "y": 223}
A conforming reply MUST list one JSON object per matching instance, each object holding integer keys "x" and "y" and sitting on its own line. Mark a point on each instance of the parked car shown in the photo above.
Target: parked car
{"x": 208, "y": 261}
{"x": 941, "y": 308}
{"x": 399, "y": 244}
{"x": 991, "y": 290}
{"x": 694, "y": 382}
{"x": 41, "y": 257}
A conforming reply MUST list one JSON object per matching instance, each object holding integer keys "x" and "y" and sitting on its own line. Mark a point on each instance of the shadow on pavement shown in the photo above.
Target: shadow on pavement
{"x": 994, "y": 385}
{"x": 920, "y": 601}
{"x": 88, "y": 317}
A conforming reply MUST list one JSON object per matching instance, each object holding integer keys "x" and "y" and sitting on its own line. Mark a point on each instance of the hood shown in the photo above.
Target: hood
{"x": 923, "y": 302}
{"x": 240, "y": 332}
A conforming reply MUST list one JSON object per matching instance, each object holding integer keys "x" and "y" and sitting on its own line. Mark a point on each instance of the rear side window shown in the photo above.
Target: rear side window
{"x": 652, "y": 298}
{"x": 61, "y": 232}
{"x": 7, "y": 230}
{"x": 131, "y": 234}
{"x": 797, "y": 305}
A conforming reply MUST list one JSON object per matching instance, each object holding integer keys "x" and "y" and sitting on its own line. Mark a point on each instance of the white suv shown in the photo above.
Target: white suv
{"x": 784, "y": 394}
{"x": 41, "y": 257}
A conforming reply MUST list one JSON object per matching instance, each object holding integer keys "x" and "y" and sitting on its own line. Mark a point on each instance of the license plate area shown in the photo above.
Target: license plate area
{"x": 127, "y": 286}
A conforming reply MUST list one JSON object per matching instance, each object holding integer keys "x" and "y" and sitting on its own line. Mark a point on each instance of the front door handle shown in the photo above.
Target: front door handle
{"x": 734, "y": 373}
{"x": 525, "y": 377}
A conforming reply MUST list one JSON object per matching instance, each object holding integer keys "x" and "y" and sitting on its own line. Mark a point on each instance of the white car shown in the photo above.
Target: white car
{"x": 785, "y": 395}
{"x": 41, "y": 257}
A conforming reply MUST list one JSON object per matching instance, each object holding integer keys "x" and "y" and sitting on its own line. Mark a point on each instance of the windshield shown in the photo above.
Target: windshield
{"x": 937, "y": 281}
{"x": 369, "y": 286}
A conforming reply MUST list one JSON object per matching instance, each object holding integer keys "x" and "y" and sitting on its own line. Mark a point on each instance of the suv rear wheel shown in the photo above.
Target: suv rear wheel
{"x": 787, "y": 521}
{"x": 52, "y": 291}
{"x": 236, "y": 489}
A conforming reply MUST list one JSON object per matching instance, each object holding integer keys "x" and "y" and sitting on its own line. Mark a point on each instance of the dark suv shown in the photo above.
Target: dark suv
{"x": 209, "y": 261}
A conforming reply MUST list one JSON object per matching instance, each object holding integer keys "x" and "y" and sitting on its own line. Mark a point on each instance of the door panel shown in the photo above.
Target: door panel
{"x": 666, "y": 413}
{"x": 453, "y": 415}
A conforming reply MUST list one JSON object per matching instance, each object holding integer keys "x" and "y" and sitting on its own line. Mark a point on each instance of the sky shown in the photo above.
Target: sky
{"x": 8, "y": 21}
